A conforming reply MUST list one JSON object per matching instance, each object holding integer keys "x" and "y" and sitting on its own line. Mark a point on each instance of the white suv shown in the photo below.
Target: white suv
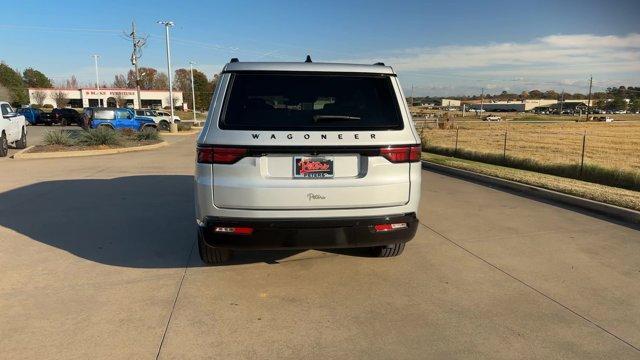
{"x": 306, "y": 156}
{"x": 13, "y": 129}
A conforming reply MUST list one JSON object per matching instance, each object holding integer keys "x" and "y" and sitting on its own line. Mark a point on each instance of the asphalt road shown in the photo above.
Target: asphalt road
{"x": 97, "y": 260}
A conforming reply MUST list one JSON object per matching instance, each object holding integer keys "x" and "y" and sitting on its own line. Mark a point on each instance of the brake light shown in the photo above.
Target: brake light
{"x": 389, "y": 227}
{"x": 402, "y": 154}
{"x": 234, "y": 230}
{"x": 220, "y": 155}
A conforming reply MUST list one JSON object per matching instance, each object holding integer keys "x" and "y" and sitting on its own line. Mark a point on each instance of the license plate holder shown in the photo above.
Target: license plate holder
{"x": 313, "y": 167}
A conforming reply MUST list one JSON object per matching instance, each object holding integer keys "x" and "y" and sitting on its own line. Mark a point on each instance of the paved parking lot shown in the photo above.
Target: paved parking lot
{"x": 97, "y": 261}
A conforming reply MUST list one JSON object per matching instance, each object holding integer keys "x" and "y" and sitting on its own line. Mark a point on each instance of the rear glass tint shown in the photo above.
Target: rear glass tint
{"x": 322, "y": 102}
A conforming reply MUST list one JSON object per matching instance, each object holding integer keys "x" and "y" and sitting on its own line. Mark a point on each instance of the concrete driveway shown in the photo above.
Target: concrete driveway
{"x": 98, "y": 260}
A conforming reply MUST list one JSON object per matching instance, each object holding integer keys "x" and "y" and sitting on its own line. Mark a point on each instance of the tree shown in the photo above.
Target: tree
{"x": 635, "y": 105}
{"x": 160, "y": 82}
{"x": 202, "y": 87}
{"x": 120, "y": 82}
{"x": 35, "y": 79}
{"x": 121, "y": 101}
{"x": 12, "y": 81}
{"x": 71, "y": 83}
{"x": 535, "y": 94}
{"x": 550, "y": 94}
{"x": 39, "y": 96}
{"x": 61, "y": 99}
{"x": 147, "y": 76}
{"x": 618, "y": 103}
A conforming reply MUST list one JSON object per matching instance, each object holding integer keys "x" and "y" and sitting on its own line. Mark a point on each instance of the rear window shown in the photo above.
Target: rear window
{"x": 310, "y": 102}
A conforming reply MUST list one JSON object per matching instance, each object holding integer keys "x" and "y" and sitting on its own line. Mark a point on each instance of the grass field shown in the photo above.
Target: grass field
{"x": 611, "y": 156}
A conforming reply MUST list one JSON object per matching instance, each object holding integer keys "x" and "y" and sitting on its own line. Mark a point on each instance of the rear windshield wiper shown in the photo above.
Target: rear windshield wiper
{"x": 317, "y": 118}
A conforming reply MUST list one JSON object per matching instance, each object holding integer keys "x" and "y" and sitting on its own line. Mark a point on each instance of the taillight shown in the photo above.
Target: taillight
{"x": 402, "y": 154}
{"x": 220, "y": 155}
{"x": 389, "y": 227}
{"x": 233, "y": 230}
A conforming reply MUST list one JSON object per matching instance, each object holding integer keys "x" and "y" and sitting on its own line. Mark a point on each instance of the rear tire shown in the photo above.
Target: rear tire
{"x": 388, "y": 251}
{"x": 4, "y": 145}
{"x": 22, "y": 143}
{"x": 212, "y": 255}
{"x": 164, "y": 126}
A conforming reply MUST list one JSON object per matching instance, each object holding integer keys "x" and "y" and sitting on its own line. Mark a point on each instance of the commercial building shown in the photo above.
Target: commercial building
{"x": 91, "y": 97}
{"x": 448, "y": 103}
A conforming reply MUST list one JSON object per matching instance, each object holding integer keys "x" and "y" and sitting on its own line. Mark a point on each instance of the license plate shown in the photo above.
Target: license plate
{"x": 312, "y": 167}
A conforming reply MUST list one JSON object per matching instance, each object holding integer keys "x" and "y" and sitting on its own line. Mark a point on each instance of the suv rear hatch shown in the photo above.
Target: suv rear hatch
{"x": 281, "y": 136}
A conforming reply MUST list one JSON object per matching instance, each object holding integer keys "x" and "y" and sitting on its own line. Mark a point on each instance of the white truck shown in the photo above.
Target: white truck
{"x": 13, "y": 129}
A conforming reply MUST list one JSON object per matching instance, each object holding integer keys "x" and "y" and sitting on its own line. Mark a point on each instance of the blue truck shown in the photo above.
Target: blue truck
{"x": 117, "y": 118}
{"x": 32, "y": 115}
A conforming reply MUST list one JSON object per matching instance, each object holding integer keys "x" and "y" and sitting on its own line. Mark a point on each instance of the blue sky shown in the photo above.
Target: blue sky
{"x": 439, "y": 48}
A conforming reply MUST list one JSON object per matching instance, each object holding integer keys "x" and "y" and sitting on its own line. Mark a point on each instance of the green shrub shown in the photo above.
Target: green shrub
{"x": 47, "y": 106}
{"x": 147, "y": 134}
{"x": 100, "y": 136}
{"x": 57, "y": 137}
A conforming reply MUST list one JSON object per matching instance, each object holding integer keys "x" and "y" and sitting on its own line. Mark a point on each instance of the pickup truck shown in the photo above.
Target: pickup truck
{"x": 118, "y": 118}
{"x": 13, "y": 129}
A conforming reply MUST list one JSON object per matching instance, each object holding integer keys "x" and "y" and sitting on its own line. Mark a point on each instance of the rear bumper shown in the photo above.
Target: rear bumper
{"x": 309, "y": 233}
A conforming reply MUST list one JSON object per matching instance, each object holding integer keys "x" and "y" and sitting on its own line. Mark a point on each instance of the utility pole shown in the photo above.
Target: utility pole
{"x": 167, "y": 25}
{"x": 561, "y": 101}
{"x": 193, "y": 91}
{"x": 411, "y": 95}
{"x": 589, "y": 101}
{"x": 138, "y": 43}
{"x": 95, "y": 60}
{"x": 481, "y": 101}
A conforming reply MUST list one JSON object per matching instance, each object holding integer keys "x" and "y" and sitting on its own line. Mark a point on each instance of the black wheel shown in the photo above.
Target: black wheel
{"x": 4, "y": 145}
{"x": 47, "y": 124}
{"x": 164, "y": 126}
{"x": 212, "y": 255}
{"x": 388, "y": 251}
{"x": 22, "y": 143}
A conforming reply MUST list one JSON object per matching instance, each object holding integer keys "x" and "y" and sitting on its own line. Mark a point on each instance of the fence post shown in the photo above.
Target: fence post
{"x": 504, "y": 148}
{"x": 584, "y": 140}
{"x": 455, "y": 151}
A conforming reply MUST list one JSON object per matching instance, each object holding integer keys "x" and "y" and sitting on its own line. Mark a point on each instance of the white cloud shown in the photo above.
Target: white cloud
{"x": 537, "y": 63}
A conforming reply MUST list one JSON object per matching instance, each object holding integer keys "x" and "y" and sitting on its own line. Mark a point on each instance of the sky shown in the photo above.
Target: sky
{"x": 441, "y": 48}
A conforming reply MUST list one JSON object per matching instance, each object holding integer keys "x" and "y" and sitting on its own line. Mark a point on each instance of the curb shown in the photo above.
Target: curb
{"x": 181, "y": 133}
{"x": 612, "y": 211}
{"x": 65, "y": 154}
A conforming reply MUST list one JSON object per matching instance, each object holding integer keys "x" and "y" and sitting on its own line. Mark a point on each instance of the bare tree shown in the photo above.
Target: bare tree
{"x": 61, "y": 99}
{"x": 71, "y": 83}
{"x": 39, "y": 96}
{"x": 120, "y": 82}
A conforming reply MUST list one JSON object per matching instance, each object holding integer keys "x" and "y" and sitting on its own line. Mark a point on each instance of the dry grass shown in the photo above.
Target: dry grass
{"x": 608, "y": 146}
{"x": 607, "y": 194}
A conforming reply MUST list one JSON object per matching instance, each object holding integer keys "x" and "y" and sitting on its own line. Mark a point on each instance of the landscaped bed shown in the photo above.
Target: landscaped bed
{"x": 94, "y": 139}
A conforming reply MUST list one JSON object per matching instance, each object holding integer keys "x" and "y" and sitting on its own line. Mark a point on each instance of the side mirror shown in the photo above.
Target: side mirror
{"x": 9, "y": 115}
{"x": 129, "y": 116}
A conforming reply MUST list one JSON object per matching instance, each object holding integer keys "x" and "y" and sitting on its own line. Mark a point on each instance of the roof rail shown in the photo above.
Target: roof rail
{"x": 234, "y": 60}
{"x": 379, "y": 63}
{"x": 308, "y": 59}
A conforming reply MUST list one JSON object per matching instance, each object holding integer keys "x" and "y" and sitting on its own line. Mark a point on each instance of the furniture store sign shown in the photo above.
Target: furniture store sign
{"x": 108, "y": 93}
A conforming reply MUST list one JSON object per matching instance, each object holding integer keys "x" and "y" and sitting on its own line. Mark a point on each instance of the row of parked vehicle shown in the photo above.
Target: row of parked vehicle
{"x": 68, "y": 116}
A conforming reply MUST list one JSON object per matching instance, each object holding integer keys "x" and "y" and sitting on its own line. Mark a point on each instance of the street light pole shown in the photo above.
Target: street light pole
{"x": 95, "y": 60}
{"x": 193, "y": 92}
{"x": 167, "y": 25}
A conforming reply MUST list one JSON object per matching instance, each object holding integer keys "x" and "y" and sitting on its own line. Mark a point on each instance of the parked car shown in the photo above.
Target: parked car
{"x": 118, "y": 118}
{"x": 603, "y": 118}
{"x": 305, "y": 155}
{"x": 13, "y": 129}
{"x": 32, "y": 115}
{"x": 167, "y": 116}
{"x": 67, "y": 116}
{"x": 162, "y": 121}
{"x": 492, "y": 118}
